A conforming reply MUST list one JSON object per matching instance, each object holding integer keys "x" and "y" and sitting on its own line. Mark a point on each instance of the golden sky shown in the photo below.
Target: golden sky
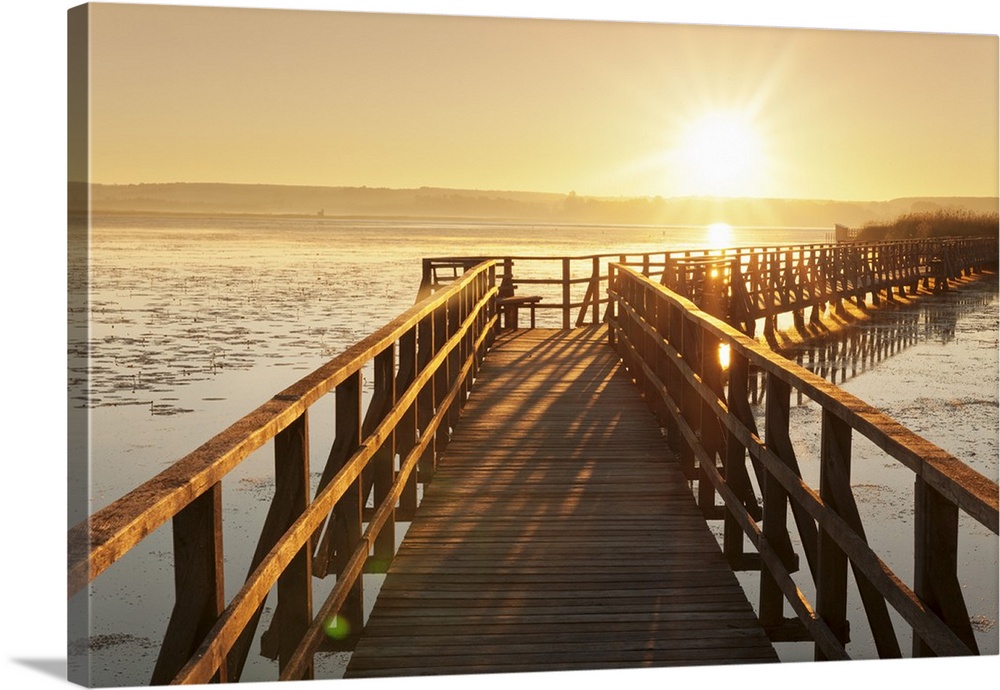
{"x": 201, "y": 94}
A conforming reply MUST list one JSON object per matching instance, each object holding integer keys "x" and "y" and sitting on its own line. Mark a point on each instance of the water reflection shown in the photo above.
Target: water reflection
{"x": 851, "y": 352}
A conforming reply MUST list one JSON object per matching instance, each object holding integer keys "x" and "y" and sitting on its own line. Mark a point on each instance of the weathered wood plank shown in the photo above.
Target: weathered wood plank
{"x": 559, "y": 510}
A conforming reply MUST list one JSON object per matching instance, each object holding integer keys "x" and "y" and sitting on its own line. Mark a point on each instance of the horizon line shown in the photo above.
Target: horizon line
{"x": 546, "y": 193}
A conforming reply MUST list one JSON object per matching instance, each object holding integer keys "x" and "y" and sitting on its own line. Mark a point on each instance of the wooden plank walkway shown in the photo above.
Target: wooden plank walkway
{"x": 558, "y": 533}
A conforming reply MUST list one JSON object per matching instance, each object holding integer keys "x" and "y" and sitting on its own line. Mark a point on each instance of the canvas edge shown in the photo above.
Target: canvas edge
{"x": 78, "y": 666}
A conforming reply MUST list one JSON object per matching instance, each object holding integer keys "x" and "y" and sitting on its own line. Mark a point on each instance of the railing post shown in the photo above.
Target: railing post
{"x": 734, "y": 462}
{"x": 861, "y": 274}
{"x": 348, "y": 513}
{"x": 198, "y": 584}
{"x": 469, "y": 353}
{"x": 384, "y": 460}
{"x": 663, "y": 368}
{"x": 915, "y": 259}
{"x": 775, "y": 510}
{"x": 831, "y": 579}
{"x": 507, "y": 280}
{"x": 454, "y": 310}
{"x": 935, "y": 568}
{"x": 678, "y": 388}
{"x": 565, "y": 294}
{"x": 425, "y": 399}
{"x": 688, "y": 344}
{"x": 772, "y": 295}
{"x": 892, "y": 259}
{"x": 589, "y": 299}
{"x": 818, "y": 285}
{"x": 611, "y": 311}
{"x": 835, "y": 490}
{"x": 799, "y": 274}
{"x": 648, "y": 348}
{"x": 293, "y": 612}
{"x": 875, "y": 262}
{"x": 839, "y": 281}
{"x": 611, "y": 314}
{"x": 596, "y": 278}
{"x": 406, "y": 432}
{"x": 491, "y": 310}
{"x": 442, "y": 380}
{"x": 710, "y": 370}
{"x": 787, "y": 279}
{"x": 426, "y": 280}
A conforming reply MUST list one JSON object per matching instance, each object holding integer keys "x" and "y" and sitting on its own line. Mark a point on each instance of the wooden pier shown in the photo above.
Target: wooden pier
{"x": 559, "y": 483}
{"x": 558, "y": 533}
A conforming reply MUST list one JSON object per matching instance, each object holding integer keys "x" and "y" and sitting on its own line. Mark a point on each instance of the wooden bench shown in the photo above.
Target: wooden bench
{"x": 509, "y": 307}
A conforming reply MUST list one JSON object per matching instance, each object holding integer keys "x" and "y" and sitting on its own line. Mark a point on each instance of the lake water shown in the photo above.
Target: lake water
{"x": 194, "y": 322}
{"x": 933, "y": 366}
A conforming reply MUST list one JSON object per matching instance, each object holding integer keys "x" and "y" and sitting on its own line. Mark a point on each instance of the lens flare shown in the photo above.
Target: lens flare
{"x": 337, "y": 628}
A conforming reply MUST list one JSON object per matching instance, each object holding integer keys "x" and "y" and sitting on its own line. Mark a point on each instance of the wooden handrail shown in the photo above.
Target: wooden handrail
{"x": 670, "y": 346}
{"x": 209, "y": 656}
{"x": 760, "y": 282}
{"x": 453, "y": 329}
{"x": 105, "y": 536}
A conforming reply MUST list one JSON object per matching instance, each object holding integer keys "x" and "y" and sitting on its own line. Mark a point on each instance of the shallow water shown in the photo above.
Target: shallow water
{"x": 195, "y": 322}
{"x": 932, "y": 366}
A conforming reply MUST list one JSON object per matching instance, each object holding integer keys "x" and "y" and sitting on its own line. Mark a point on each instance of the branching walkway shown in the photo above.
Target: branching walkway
{"x": 558, "y": 533}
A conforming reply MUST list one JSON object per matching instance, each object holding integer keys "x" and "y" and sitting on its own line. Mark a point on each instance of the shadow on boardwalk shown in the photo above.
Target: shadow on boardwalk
{"x": 558, "y": 533}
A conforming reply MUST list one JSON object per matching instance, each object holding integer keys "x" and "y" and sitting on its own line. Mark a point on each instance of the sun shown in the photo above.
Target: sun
{"x": 721, "y": 154}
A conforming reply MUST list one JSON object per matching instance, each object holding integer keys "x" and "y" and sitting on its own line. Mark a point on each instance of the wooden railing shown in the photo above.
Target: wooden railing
{"x": 576, "y": 291}
{"x": 767, "y": 283}
{"x": 574, "y": 287}
{"x": 423, "y": 363}
{"x": 672, "y": 350}
{"x": 742, "y": 285}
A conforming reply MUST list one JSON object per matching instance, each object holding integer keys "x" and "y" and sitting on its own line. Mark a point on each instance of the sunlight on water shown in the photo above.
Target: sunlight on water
{"x": 719, "y": 235}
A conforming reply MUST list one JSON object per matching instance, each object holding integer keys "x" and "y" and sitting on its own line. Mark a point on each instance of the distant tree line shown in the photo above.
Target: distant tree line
{"x": 940, "y": 223}
{"x": 446, "y": 203}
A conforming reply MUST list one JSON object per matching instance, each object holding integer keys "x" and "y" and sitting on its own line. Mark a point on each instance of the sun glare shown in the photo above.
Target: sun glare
{"x": 721, "y": 154}
{"x": 719, "y": 235}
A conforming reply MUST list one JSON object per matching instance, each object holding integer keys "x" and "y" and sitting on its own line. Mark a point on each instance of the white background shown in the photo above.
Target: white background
{"x": 33, "y": 380}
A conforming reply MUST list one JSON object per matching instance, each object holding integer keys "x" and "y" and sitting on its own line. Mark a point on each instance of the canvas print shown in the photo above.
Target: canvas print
{"x": 412, "y": 345}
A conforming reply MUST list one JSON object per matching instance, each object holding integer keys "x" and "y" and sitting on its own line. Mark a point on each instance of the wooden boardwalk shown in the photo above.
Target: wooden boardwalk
{"x": 558, "y": 533}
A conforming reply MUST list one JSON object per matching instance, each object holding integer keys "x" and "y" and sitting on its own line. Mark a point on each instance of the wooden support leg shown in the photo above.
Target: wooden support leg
{"x": 347, "y": 516}
{"x": 198, "y": 584}
{"x": 384, "y": 462}
{"x": 425, "y": 400}
{"x": 406, "y": 433}
{"x": 293, "y": 613}
{"x": 775, "y": 512}
{"x": 936, "y": 565}
{"x": 831, "y": 582}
